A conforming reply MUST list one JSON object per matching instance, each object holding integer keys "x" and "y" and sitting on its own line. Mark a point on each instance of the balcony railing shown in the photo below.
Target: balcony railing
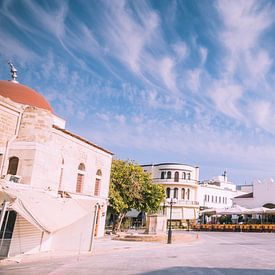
{"x": 172, "y": 181}
{"x": 185, "y": 202}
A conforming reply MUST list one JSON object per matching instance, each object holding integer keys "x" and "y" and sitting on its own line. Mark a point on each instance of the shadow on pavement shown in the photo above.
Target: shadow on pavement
{"x": 210, "y": 271}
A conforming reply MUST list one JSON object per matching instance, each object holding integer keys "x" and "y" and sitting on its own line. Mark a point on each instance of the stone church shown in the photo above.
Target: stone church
{"x": 54, "y": 183}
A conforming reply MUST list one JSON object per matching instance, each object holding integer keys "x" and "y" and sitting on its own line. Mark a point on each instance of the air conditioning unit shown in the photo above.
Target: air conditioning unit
{"x": 13, "y": 178}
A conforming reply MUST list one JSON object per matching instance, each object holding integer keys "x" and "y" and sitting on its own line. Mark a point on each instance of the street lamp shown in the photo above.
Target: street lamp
{"x": 170, "y": 201}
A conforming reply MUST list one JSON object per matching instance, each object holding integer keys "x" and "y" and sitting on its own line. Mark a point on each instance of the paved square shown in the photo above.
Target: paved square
{"x": 207, "y": 253}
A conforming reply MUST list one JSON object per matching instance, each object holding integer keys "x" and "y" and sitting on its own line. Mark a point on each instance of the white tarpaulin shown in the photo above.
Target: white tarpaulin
{"x": 41, "y": 208}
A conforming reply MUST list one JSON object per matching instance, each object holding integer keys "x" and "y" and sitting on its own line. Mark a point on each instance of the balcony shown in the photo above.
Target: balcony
{"x": 187, "y": 202}
{"x": 179, "y": 182}
{"x": 184, "y": 203}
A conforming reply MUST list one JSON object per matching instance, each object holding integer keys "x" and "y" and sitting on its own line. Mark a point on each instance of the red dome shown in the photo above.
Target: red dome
{"x": 23, "y": 94}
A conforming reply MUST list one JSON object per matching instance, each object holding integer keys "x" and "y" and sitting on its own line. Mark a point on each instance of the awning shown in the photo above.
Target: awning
{"x": 133, "y": 213}
{"x": 44, "y": 210}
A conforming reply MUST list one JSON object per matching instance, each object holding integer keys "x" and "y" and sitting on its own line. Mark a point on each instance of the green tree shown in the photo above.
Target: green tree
{"x": 132, "y": 187}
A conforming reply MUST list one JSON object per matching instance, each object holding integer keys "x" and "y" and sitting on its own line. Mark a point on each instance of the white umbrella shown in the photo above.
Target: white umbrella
{"x": 235, "y": 210}
{"x": 257, "y": 210}
{"x": 208, "y": 211}
{"x": 270, "y": 211}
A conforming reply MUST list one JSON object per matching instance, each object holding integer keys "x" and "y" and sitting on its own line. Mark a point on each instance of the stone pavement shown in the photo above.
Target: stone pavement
{"x": 210, "y": 253}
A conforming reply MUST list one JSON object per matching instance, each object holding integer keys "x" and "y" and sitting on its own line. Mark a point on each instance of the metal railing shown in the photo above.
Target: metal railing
{"x": 180, "y": 181}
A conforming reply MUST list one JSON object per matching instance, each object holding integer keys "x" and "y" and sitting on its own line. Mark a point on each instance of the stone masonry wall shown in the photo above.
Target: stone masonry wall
{"x": 9, "y": 114}
{"x": 36, "y": 125}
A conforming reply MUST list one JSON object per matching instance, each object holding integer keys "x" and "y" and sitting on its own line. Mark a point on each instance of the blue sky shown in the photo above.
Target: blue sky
{"x": 155, "y": 81}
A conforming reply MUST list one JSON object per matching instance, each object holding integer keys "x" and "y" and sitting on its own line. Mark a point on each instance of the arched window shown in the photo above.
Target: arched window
{"x": 169, "y": 175}
{"x": 168, "y": 192}
{"x": 188, "y": 194}
{"x": 13, "y": 165}
{"x": 183, "y": 193}
{"x": 98, "y": 172}
{"x": 162, "y": 175}
{"x": 184, "y": 175}
{"x": 98, "y": 182}
{"x": 269, "y": 205}
{"x": 80, "y": 178}
{"x": 81, "y": 167}
{"x": 188, "y": 176}
{"x": 176, "y": 193}
{"x": 176, "y": 177}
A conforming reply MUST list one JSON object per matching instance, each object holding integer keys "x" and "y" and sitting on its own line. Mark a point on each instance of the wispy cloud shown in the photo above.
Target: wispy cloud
{"x": 153, "y": 80}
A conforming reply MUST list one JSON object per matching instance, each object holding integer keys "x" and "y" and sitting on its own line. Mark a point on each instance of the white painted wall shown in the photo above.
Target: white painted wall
{"x": 185, "y": 207}
{"x": 263, "y": 193}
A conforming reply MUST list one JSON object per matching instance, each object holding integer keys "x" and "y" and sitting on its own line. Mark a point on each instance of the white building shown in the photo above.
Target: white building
{"x": 217, "y": 193}
{"x": 262, "y": 193}
{"x": 54, "y": 184}
{"x": 180, "y": 181}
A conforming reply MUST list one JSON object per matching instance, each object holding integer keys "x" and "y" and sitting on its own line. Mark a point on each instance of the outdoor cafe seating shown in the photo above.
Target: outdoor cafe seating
{"x": 238, "y": 219}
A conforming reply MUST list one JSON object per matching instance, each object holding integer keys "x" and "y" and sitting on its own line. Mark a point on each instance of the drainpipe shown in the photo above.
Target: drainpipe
{"x": 5, "y": 157}
{"x": 93, "y": 227}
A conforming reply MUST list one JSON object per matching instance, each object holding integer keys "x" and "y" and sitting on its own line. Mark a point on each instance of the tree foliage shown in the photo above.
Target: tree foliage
{"x": 132, "y": 187}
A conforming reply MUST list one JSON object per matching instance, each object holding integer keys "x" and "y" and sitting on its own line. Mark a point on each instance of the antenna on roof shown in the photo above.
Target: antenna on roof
{"x": 13, "y": 72}
{"x": 224, "y": 174}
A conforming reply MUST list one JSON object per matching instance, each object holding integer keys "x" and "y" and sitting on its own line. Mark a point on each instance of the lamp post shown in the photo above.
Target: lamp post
{"x": 170, "y": 201}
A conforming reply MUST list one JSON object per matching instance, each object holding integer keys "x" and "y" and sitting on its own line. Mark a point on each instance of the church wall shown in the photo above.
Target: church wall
{"x": 41, "y": 149}
{"x": 8, "y": 121}
{"x": 35, "y": 125}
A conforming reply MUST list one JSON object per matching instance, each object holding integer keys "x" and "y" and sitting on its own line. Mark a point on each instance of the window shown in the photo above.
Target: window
{"x": 13, "y": 165}
{"x": 216, "y": 199}
{"x": 176, "y": 193}
{"x": 188, "y": 194}
{"x": 169, "y": 175}
{"x": 98, "y": 182}
{"x": 212, "y": 198}
{"x": 81, "y": 167}
{"x": 162, "y": 176}
{"x": 97, "y": 187}
{"x": 183, "y": 193}
{"x": 176, "y": 177}
{"x": 220, "y": 200}
{"x": 168, "y": 192}
{"x": 99, "y": 173}
{"x": 205, "y": 197}
{"x": 188, "y": 176}
{"x": 184, "y": 175}
{"x": 80, "y": 178}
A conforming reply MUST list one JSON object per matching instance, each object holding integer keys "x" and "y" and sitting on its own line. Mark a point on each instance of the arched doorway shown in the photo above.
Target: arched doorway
{"x": 13, "y": 165}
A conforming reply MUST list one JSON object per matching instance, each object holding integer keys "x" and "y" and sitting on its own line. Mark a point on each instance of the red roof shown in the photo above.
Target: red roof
{"x": 23, "y": 94}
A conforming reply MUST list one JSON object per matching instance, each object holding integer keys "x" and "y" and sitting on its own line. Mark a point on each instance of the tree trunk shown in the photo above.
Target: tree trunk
{"x": 118, "y": 221}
